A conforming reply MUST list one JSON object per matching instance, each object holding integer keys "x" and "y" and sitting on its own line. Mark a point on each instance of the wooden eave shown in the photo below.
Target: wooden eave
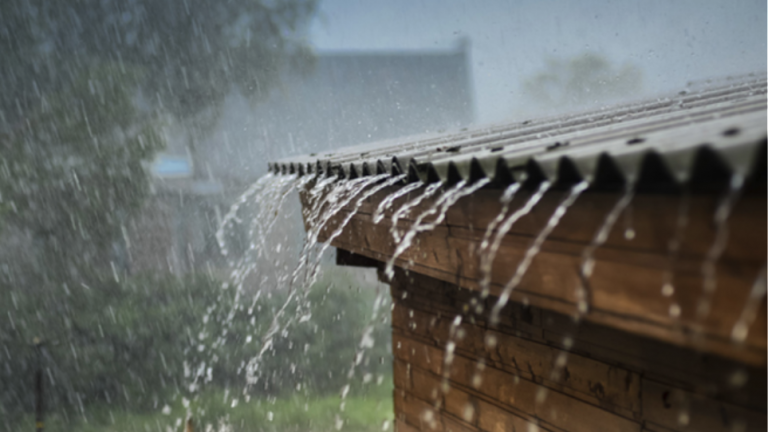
{"x": 628, "y": 275}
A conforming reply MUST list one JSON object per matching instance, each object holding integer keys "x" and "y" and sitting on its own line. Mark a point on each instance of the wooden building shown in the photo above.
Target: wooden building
{"x": 644, "y": 308}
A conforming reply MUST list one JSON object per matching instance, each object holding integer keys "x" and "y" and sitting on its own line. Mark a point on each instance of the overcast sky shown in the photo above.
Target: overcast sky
{"x": 672, "y": 42}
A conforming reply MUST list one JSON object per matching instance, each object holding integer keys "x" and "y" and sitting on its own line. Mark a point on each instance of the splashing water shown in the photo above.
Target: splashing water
{"x": 440, "y": 207}
{"x": 270, "y": 203}
{"x": 487, "y": 258}
{"x": 268, "y": 194}
{"x": 506, "y": 199}
{"x": 366, "y": 339}
{"x": 323, "y": 209}
{"x": 407, "y": 207}
{"x": 534, "y": 249}
{"x": 756, "y": 298}
{"x": 668, "y": 287}
{"x": 232, "y": 214}
{"x": 387, "y": 202}
{"x": 450, "y": 347}
{"x": 584, "y": 291}
{"x": 708, "y": 267}
{"x": 352, "y": 213}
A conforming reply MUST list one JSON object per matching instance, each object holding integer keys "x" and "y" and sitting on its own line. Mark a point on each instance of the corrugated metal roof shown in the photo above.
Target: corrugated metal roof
{"x": 692, "y": 136}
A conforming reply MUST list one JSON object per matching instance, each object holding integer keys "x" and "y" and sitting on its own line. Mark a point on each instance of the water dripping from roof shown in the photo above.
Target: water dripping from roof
{"x": 583, "y": 292}
{"x": 438, "y": 209}
{"x": 708, "y": 267}
{"x": 489, "y": 254}
{"x": 406, "y": 208}
{"x": 366, "y": 182}
{"x": 534, "y": 249}
{"x": 755, "y": 299}
{"x": 324, "y": 206}
{"x": 674, "y": 246}
{"x": 387, "y": 202}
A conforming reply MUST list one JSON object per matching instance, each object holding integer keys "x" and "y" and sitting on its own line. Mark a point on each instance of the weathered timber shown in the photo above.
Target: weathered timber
{"x": 506, "y": 376}
{"x": 629, "y": 273}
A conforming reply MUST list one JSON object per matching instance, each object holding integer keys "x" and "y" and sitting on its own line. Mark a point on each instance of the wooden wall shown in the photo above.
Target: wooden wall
{"x": 629, "y": 272}
{"x": 539, "y": 371}
{"x": 629, "y": 365}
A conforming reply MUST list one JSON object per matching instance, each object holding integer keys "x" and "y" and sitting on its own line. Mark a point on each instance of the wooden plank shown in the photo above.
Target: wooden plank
{"x": 452, "y": 425}
{"x": 462, "y": 405}
{"x": 495, "y": 419}
{"x": 401, "y": 374}
{"x": 431, "y": 302}
{"x": 611, "y": 387}
{"x": 548, "y": 405}
{"x": 416, "y": 413}
{"x": 628, "y": 304}
{"x": 679, "y": 410}
{"x": 402, "y": 426}
{"x": 674, "y": 365}
{"x": 653, "y": 217}
{"x": 425, "y": 388}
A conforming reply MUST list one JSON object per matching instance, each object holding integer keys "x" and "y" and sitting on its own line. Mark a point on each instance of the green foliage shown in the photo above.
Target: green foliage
{"x": 74, "y": 171}
{"x": 192, "y": 51}
{"x": 581, "y": 80}
{"x": 136, "y": 345}
{"x": 362, "y": 413}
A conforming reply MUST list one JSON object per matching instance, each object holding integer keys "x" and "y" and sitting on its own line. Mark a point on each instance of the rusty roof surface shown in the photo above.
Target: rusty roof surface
{"x": 693, "y": 137}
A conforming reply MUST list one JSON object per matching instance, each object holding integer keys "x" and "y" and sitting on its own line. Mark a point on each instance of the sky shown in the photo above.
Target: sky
{"x": 671, "y": 42}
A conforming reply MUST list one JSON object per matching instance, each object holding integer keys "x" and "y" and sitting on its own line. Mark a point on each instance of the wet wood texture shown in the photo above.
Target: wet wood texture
{"x": 537, "y": 370}
{"x": 626, "y": 286}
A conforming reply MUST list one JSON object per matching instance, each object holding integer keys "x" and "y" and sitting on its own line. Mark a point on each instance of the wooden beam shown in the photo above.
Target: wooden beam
{"x": 629, "y": 273}
{"x": 510, "y": 375}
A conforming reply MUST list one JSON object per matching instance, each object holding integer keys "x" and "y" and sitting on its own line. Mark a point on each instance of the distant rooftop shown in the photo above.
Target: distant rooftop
{"x": 346, "y": 98}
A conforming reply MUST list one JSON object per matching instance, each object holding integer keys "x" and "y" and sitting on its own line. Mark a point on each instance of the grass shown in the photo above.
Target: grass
{"x": 364, "y": 412}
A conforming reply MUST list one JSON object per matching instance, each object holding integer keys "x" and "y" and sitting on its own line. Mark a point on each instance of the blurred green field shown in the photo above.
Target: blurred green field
{"x": 139, "y": 356}
{"x": 367, "y": 412}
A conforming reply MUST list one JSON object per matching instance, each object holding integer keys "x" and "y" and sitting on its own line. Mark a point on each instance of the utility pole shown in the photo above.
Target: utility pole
{"x": 39, "y": 406}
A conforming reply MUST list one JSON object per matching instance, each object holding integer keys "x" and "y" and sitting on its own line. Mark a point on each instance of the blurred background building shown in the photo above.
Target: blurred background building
{"x": 342, "y": 99}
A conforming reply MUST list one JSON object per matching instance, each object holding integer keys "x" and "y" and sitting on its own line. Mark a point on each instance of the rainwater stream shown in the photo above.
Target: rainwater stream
{"x": 329, "y": 206}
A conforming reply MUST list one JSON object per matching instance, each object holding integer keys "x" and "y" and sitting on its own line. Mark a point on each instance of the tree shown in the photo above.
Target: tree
{"x": 85, "y": 86}
{"x": 86, "y": 83}
{"x": 581, "y": 80}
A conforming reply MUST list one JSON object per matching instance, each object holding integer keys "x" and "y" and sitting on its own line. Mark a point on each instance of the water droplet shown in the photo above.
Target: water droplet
{"x": 738, "y": 379}
{"x": 541, "y": 395}
{"x": 490, "y": 341}
{"x": 477, "y": 380}
{"x": 674, "y": 310}
{"x": 469, "y": 412}
{"x": 562, "y": 360}
{"x": 739, "y": 332}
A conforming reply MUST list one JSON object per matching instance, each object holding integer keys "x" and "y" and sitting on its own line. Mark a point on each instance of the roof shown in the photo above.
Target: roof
{"x": 700, "y": 137}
